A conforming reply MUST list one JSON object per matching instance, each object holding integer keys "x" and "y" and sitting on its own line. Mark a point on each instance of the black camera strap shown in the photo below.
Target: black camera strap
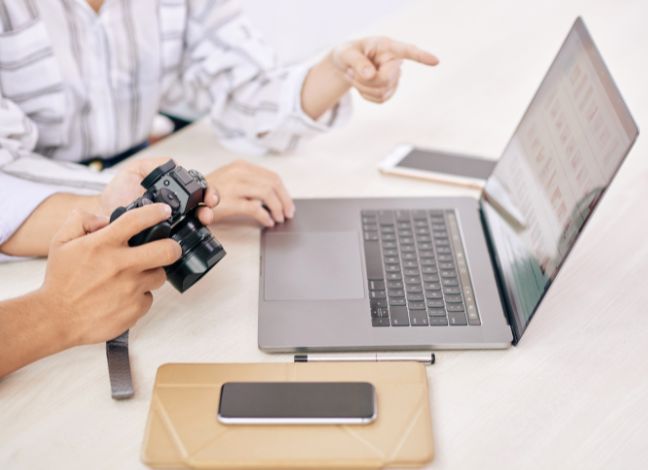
{"x": 121, "y": 382}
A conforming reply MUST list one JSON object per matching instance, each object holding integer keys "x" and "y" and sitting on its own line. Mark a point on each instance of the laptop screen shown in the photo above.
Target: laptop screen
{"x": 567, "y": 148}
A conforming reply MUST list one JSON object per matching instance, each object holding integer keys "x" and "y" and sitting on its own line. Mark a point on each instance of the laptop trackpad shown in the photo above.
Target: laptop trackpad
{"x": 313, "y": 266}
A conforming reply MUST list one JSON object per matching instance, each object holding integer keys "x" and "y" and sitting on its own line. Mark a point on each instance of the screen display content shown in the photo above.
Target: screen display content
{"x": 561, "y": 158}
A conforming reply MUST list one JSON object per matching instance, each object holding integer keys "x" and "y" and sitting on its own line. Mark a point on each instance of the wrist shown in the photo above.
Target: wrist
{"x": 49, "y": 312}
{"x": 323, "y": 87}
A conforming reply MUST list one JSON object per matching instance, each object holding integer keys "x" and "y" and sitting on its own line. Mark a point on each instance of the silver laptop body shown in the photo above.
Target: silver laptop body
{"x": 329, "y": 279}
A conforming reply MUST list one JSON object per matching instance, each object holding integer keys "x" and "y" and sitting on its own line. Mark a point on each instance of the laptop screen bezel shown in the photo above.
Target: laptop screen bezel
{"x": 518, "y": 324}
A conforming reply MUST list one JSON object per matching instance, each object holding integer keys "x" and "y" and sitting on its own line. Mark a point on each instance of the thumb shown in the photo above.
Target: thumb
{"x": 78, "y": 224}
{"x": 360, "y": 66}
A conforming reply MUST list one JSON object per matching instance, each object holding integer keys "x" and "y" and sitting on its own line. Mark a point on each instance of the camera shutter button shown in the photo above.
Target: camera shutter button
{"x": 170, "y": 198}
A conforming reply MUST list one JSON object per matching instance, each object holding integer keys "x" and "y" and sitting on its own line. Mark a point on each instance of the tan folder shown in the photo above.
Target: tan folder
{"x": 183, "y": 431}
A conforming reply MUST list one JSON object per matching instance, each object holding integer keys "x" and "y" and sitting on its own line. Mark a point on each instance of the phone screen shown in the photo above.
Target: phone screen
{"x": 297, "y": 402}
{"x": 448, "y": 163}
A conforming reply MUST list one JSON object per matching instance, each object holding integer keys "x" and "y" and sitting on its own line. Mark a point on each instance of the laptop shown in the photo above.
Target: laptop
{"x": 446, "y": 273}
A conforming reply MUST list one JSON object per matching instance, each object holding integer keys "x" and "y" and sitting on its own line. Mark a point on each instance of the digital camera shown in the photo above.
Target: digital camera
{"x": 184, "y": 192}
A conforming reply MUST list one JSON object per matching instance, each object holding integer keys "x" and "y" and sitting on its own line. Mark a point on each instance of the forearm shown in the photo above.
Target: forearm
{"x": 27, "y": 332}
{"x": 33, "y": 237}
{"x": 323, "y": 87}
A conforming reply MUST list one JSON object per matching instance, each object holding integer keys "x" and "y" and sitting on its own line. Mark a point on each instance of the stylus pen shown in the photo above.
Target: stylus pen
{"x": 424, "y": 357}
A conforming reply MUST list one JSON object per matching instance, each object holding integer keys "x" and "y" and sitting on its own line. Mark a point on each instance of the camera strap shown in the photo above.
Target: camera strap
{"x": 121, "y": 382}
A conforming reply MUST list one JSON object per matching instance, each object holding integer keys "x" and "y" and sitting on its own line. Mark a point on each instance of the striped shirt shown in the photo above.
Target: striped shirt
{"x": 76, "y": 84}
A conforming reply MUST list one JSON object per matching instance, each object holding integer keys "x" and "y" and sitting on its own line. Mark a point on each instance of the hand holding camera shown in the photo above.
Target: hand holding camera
{"x": 183, "y": 191}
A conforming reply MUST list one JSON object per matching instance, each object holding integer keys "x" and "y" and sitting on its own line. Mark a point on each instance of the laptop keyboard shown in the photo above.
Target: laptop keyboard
{"x": 416, "y": 269}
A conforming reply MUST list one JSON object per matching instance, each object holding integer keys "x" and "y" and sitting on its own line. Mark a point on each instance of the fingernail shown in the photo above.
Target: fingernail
{"x": 291, "y": 213}
{"x": 166, "y": 209}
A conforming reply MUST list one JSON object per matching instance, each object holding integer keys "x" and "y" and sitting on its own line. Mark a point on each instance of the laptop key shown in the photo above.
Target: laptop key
{"x": 436, "y": 312}
{"x": 373, "y": 260}
{"x": 451, "y": 290}
{"x": 418, "y": 318}
{"x": 411, "y": 271}
{"x": 415, "y": 297}
{"x": 397, "y": 301}
{"x": 380, "y": 321}
{"x": 395, "y": 293}
{"x": 450, "y": 282}
{"x": 399, "y": 316}
{"x": 457, "y": 318}
{"x": 438, "y": 321}
{"x": 395, "y": 284}
{"x": 455, "y": 308}
{"x": 376, "y": 284}
{"x": 416, "y": 306}
{"x": 433, "y": 294}
{"x": 371, "y": 236}
{"x": 430, "y": 278}
{"x": 436, "y": 304}
{"x": 377, "y": 294}
{"x": 453, "y": 299}
{"x": 394, "y": 276}
{"x": 382, "y": 312}
{"x": 378, "y": 302}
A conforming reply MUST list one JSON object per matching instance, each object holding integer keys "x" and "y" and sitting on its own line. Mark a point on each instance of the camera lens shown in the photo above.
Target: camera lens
{"x": 200, "y": 252}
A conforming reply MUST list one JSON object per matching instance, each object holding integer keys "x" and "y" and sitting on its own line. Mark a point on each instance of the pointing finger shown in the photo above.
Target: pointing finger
{"x": 411, "y": 52}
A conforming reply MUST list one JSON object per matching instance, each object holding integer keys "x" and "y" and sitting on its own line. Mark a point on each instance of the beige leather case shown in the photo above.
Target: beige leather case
{"x": 183, "y": 431}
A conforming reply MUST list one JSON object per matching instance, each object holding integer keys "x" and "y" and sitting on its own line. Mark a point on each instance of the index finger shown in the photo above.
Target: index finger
{"x": 134, "y": 221}
{"x": 411, "y": 52}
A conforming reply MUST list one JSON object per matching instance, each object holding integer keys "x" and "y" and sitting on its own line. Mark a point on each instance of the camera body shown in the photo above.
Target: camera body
{"x": 183, "y": 191}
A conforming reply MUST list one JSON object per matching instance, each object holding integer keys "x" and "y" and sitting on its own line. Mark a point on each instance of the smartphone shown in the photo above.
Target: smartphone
{"x": 438, "y": 166}
{"x": 297, "y": 403}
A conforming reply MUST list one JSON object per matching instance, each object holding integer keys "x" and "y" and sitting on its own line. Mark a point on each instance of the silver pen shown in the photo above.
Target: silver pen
{"x": 426, "y": 357}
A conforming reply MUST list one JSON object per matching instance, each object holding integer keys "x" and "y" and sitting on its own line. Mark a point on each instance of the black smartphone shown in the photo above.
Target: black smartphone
{"x": 446, "y": 167}
{"x": 297, "y": 403}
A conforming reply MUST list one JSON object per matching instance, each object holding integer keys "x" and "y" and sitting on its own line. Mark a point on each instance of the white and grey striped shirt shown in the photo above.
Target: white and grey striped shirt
{"x": 75, "y": 84}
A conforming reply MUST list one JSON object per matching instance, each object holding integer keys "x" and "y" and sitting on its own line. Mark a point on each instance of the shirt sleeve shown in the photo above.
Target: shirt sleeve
{"x": 230, "y": 73}
{"x": 26, "y": 178}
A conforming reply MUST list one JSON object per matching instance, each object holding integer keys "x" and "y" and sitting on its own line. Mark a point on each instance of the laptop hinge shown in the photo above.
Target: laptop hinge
{"x": 499, "y": 280}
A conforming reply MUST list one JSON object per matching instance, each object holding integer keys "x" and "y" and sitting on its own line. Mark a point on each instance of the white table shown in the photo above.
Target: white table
{"x": 571, "y": 395}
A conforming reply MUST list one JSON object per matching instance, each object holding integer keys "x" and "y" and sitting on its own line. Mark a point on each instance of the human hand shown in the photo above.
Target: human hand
{"x": 125, "y": 187}
{"x": 96, "y": 285}
{"x": 373, "y": 65}
{"x": 244, "y": 189}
